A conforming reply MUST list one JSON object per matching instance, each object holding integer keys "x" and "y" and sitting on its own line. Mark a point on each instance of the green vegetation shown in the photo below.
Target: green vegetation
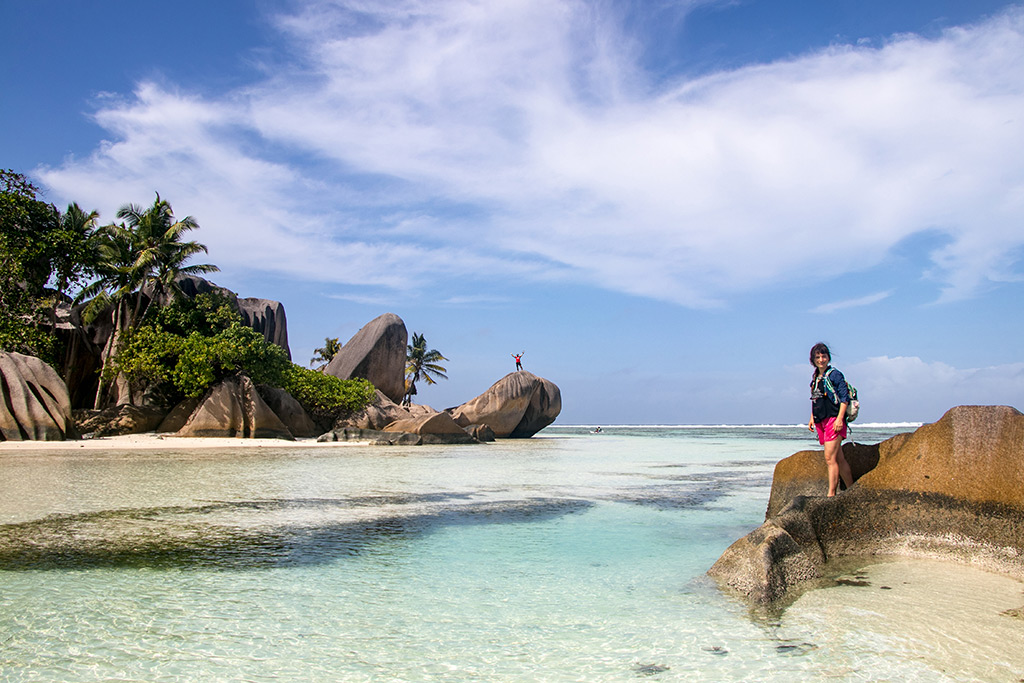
{"x": 324, "y": 396}
{"x": 162, "y": 345}
{"x": 145, "y": 252}
{"x": 189, "y": 345}
{"x": 421, "y": 364}
{"x": 326, "y": 353}
{"x": 43, "y": 252}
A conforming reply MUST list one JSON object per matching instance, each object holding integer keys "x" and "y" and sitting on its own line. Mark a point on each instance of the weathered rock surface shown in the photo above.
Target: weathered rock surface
{"x": 233, "y": 408}
{"x": 353, "y": 434}
{"x": 433, "y": 428}
{"x": 805, "y": 474}
{"x": 395, "y": 438}
{"x": 377, "y": 353}
{"x": 118, "y": 420}
{"x": 517, "y": 406}
{"x": 436, "y": 423}
{"x": 266, "y": 317}
{"x": 952, "y": 489}
{"x": 290, "y": 411}
{"x": 481, "y": 433}
{"x": 36, "y": 405}
{"x": 178, "y": 416}
{"x": 376, "y": 416}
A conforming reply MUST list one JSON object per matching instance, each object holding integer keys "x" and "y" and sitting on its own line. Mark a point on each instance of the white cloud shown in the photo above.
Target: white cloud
{"x": 415, "y": 142}
{"x": 909, "y": 388}
{"x": 852, "y": 303}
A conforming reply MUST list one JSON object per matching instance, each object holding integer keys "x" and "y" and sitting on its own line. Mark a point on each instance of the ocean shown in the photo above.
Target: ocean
{"x": 571, "y": 556}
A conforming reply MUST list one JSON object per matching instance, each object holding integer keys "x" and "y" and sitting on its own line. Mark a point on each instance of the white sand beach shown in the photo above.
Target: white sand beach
{"x": 152, "y": 440}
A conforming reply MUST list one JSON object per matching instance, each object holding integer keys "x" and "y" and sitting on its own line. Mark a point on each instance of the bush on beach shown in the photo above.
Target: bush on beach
{"x": 184, "y": 348}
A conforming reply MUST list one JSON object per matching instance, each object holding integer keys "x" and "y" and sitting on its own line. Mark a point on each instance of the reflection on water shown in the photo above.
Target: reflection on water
{"x": 562, "y": 558}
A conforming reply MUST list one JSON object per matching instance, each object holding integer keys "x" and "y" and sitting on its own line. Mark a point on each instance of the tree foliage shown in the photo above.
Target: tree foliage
{"x": 40, "y": 247}
{"x": 421, "y": 364}
{"x": 187, "y": 346}
{"x": 190, "y": 344}
{"x": 161, "y": 254}
{"x": 324, "y": 396}
{"x": 146, "y": 251}
{"x": 326, "y": 353}
{"x": 171, "y": 351}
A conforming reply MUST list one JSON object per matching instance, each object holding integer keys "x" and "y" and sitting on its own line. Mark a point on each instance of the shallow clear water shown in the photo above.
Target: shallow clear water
{"x": 567, "y": 557}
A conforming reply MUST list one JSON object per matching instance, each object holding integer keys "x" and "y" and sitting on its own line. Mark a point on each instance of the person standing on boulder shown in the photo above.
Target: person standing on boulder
{"x": 830, "y": 397}
{"x": 519, "y": 364}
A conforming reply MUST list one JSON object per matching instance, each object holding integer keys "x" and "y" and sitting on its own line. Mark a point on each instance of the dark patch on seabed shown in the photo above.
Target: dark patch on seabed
{"x": 793, "y": 648}
{"x": 671, "y": 499}
{"x": 650, "y": 669}
{"x": 246, "y": 534}
{"x": 687, "y": 491}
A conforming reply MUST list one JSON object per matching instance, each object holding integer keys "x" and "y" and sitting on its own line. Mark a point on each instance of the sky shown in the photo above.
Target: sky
{"x": 662, "y": 203}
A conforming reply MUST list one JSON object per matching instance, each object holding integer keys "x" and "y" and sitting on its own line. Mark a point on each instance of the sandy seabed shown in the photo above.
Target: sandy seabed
{"x": 152, "y": 440}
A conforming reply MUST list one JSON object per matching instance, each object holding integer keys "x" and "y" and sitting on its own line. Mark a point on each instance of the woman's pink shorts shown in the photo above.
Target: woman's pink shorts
{"x": 826, "y": 431}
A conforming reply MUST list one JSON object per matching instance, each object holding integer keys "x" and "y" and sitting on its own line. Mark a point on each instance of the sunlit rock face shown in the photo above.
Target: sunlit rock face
{"x": 517, "y": 406}
{"x": 233, "y": 408}
{"x": 35, "y": 406}
{"x": 952, "y": 489}
{"x": 376, "y": 353}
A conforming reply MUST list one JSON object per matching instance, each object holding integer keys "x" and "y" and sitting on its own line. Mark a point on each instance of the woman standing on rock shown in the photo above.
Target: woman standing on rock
{"x": 830, "y": 398}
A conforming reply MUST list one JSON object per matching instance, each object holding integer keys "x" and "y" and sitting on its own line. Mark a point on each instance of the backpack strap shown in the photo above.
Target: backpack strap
{"x": 829, "y": 387}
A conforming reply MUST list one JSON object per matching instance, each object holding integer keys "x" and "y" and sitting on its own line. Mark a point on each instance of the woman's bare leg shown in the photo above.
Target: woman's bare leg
{"x": 837, "y": 466}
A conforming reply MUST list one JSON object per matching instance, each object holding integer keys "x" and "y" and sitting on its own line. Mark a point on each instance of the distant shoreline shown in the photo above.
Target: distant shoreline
{"x": 154, "y": 441}
{"x": 802, "y": 425}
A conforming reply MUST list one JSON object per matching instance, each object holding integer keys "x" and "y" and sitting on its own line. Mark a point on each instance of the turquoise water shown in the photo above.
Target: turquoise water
{"x": 568, "y": 557}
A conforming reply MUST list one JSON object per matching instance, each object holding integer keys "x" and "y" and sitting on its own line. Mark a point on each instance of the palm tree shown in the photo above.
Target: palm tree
{"x": 78, "y": 228}
{"x": 421, "y": 364}
{"x": 118, "y": 280}
{"x": 144, "y": 251}
{"x": 161, "y": 253}
{"x": 325, "y": 354}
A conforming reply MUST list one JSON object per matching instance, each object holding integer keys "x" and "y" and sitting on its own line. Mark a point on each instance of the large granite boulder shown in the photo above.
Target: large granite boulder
{"x": 290, "y": 411}
{"x": 437, "y": 423}
{"x": 433, "y": 428}
{"x": 266, "y": 317}
{"x": 377, "y": 353}
{"x": 517, "y": 406}
{"x": 381, "y": 412}
{"x": 805, "y": 474}
{"x": 36, "y": 405}
{"x": 233, "y": 408}
{"x": 951, "y": 489}
{"x": 117, "y": 420}
{"x": 178, "y": 416}
{"x": 427, "y": 429}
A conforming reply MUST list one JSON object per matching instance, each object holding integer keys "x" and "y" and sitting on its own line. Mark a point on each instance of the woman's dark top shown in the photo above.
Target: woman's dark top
{"x": 825, "y": 402}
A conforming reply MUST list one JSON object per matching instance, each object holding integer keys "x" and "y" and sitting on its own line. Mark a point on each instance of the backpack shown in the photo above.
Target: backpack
{"x": 853, "y": 407}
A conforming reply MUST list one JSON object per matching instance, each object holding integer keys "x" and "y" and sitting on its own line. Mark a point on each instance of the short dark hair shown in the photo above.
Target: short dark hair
{"x": 820, "y": 348}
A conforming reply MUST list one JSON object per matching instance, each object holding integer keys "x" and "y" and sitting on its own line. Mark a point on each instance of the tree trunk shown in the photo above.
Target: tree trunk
{"x": 117, "y": 392}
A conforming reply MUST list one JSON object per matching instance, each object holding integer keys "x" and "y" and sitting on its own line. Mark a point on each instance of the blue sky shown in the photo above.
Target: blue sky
{"x": 663, "y": 203}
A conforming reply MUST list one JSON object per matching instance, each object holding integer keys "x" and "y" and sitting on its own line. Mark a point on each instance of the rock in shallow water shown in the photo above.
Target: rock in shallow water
{"x": 951, "y": 489}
